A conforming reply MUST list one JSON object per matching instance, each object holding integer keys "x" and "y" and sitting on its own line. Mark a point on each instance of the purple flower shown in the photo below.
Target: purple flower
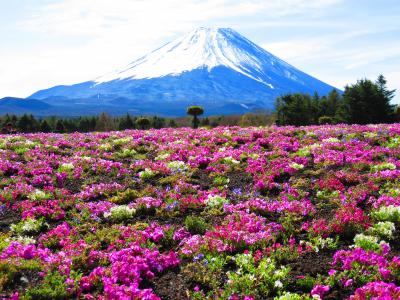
{"x": 320, "y": 290}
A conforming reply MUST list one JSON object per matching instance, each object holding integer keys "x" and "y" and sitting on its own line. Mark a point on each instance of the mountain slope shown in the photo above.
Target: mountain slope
{"x": 21, "y": 106}
{"x": 216, "y": 68}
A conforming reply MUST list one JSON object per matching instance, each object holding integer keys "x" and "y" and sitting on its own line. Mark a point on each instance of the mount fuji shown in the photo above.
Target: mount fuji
{"x": 214, "y": 67}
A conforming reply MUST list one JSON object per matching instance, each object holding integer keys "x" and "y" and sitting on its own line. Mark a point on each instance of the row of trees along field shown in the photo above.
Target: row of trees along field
{"x": 104, "y": 122}
{"x": 365, "y": 102}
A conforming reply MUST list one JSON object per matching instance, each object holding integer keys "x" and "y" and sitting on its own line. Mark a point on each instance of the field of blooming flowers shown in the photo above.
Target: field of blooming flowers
{"x": 228, "y": 213}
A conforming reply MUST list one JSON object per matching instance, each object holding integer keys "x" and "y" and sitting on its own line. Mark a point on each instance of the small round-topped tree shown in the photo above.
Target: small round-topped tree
{"x": 142, "y": 122}
{"x": 195, "y": 111}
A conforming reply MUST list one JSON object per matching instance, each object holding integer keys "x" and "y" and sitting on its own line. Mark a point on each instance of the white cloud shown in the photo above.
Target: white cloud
{"x": 98, "y": 36}
{"x": 98, "y": 18}
{"x": 78, "y": 40}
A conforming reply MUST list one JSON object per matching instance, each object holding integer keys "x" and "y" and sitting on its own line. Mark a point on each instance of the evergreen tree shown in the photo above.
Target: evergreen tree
{"x": 333, "y": 100}
{"x": 44, "y": 126}
{"x": 172, "y": 123}
{"x": 60, "y": 126}
{"x": 92, "y": 124}
{"x": 157, "y": 122}
{"x": 70, "y": 126}
{"x": 33, "y": 124}
{"x": 23, "y": 124}
{"x": 295, "y": 109}
{"x": 126, "y": 123}
{"x": 84, "y": 125}
{"x": 105, "y": 123}
{"x": 14, "y": 120}
{"x": 367, "y": 102}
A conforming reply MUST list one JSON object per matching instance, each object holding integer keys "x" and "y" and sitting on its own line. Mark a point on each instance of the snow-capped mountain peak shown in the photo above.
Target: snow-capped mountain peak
{"x": 214, "y": 67}
{"x": 200, "y": 48}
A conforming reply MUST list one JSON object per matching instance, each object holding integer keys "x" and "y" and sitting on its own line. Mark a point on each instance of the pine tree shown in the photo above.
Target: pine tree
{"x": 60, "y": 126}
{"x": 105, "y": 123}
{"x": 172, "y": 123}
{"x": 44, "y": 126}
{"x": 367, "y": 102}
{"x": 296, "y": 109}
{"x": 129, "y": 122}
{"x": 23, "y": 123}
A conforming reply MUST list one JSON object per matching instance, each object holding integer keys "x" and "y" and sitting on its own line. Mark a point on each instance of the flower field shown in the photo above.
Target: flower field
{"x": 227, "y": 213}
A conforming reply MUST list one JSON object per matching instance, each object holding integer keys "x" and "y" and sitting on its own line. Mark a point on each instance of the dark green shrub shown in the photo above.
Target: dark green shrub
{"x": 325, "y": 120}
{"x": 195, "y": 225}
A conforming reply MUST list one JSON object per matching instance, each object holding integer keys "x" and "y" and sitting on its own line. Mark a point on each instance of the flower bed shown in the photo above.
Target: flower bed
{"x": 228, "y": 213}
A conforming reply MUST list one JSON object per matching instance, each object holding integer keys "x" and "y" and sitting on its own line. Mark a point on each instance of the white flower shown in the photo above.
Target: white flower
{"x": 120, "y": 212}
{"x": 331, "y": 140}
{"x": 278, "y": 284}
{"x": 177, "y": 166}
{"x": 37, "y": 195}
{"x": 215, "y": 201}
{"x": 67, "y": 167}
{"x": 231, "y": 160}
{"x": 147, "y": 173}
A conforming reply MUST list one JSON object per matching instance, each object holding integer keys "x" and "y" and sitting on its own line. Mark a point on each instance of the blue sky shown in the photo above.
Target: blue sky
{"x": 50, "y": 42}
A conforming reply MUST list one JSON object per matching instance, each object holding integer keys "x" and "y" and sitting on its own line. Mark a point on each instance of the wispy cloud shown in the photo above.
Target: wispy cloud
{"x": 68, "y": 41}
{"x": 98, "y": 18}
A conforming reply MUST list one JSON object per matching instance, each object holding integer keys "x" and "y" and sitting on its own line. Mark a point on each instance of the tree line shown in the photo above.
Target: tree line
{"x": 365, "y": 102}
{"x": 104, "y": 122}
{"x": 28, "y": 123}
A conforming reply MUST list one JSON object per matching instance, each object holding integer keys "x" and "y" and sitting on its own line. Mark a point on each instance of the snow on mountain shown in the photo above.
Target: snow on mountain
{"x": 201, "y": 48}
{"x": 214, "y": 67}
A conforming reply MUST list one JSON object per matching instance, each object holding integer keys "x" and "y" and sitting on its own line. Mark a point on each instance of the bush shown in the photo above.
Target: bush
{"x": 325, "y": 120}
{"x": 143, "y": 123}
{"x": 195, "y": 225}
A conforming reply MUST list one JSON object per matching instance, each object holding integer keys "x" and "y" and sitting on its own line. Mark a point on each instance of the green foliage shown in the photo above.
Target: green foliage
{"x": 142, "y": 122}
{"x": 365, "y": 102}
{"x": 383, "y": 166}
{"x": 120, "y": 213}
{"x": 9, "y": 272}
{"x": 256, "y": 119}
{"x": 367, "y": 242}
{"x": 294, "y": 109}
{"x": 260, "y": 279}
{"x": 124, "y": 197}
{"x": 302, "y": 109}
{"x": 28, "y": 226}
{"x": 292, "y": 296}
{"x": 146, "y": 174}
{"x": 368, "y": 102}
{"x": 387, "y": 213}
{"x": 384, "y": 230}
{"x": 325, "y": 120}
{"x": 221, "y": 181}
{"x": 126, "y": 123}
{"x": 53, "y": 287}
{"x": 195, "y": 111}
{"x": 103, "y": 236}
{"x": 216, "y": 201}
{"x": 195, "y": 225}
